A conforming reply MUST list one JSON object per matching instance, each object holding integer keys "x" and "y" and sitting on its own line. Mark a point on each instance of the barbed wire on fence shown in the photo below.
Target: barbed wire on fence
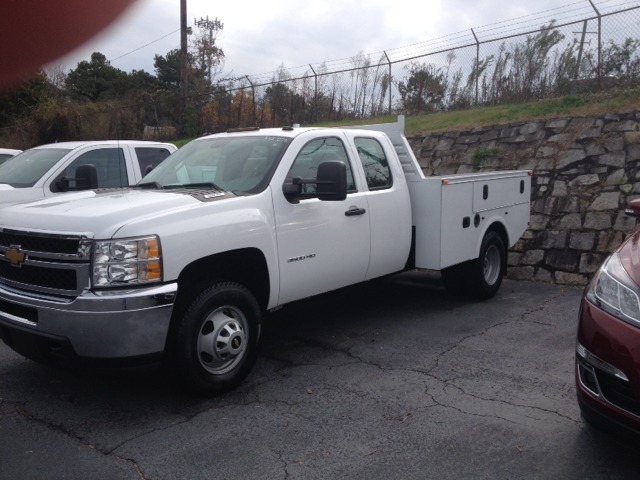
{"x": 479, "y": 66}
{"x": 580, "y": 47}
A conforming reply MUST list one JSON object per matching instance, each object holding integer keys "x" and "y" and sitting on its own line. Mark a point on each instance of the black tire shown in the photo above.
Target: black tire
{"x": 486, "y": 272}
{"x": 215, "y": 345}
{"x": 455, "y": 278}
{"x": 480, "y": 278}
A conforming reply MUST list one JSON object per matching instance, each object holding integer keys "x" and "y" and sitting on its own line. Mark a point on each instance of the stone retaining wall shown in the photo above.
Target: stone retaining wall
{"x": 585, "y": 170}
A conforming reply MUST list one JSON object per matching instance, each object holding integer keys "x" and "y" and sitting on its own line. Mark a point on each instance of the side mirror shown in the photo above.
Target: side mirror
{"x": 292, "y": 190}
{"x": 86, "y": 177}
{"x": 62, "y": 184}
{"x": 332, "y": 181}
{"x": 633, "y": 208}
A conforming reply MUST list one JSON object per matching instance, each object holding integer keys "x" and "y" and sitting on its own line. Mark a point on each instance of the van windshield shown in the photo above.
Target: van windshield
{"x": 26, "y": 168}
{"x": 239, "y": 164}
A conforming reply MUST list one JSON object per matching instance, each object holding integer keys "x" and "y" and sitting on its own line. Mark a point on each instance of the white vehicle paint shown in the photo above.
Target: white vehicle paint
{"x": 51, "y": 169}
{"x": 238, "y": 223}
{"x": 7, "y": 153}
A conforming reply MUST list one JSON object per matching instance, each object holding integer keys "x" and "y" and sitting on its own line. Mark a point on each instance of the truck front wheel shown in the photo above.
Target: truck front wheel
{"x": 216, "y": 341}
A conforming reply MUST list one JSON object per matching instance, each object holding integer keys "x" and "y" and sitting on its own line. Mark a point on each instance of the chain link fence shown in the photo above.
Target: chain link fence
{"x": 585, "y": 46}
{"x": 582, "y": 47}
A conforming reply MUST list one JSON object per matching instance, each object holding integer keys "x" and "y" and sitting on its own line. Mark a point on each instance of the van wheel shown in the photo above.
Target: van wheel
{"x": 480, "y": 278}
{"x": 216, "y": 342}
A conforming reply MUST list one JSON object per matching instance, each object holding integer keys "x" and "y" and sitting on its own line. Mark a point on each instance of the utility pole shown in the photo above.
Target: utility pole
{"x": 211, "y": 26}
{"x": 184, "y": 63}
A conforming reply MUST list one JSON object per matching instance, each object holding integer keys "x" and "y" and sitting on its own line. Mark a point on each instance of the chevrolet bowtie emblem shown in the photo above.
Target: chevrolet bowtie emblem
{"x": 15, "y": 256}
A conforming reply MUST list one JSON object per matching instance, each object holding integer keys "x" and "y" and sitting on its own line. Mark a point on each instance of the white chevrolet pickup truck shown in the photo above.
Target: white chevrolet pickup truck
{"x": 182, "y": 266}
{"x": 82, "y": 165}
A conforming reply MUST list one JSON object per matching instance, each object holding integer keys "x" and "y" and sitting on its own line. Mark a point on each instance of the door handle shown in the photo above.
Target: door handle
{"x": 353, "y": 211}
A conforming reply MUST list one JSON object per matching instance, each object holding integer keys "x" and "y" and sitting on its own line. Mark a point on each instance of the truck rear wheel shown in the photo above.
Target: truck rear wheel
{"x": 481, "y": 277}
{"x": 487, "y": 270}
{"x": 216, "y": 341}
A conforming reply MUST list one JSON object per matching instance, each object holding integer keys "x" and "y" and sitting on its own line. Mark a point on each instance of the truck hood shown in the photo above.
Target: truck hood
{"x": 10, "y": 195}
{"x": 101, "y": 213}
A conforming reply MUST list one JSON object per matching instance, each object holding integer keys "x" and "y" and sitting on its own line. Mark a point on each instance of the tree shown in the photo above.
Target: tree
{"x": 425, "y": 89}
{"x": 20, "y": 100}
{"x": 140, "y": 80}
{"x": 621, "y": 61}
{"x": 531, "y": 61}
{"x": 280, "y": 97}
{"x": 209, "y": 58}
{"x": 94, "y": 80}
{"x": 168, "y": 69}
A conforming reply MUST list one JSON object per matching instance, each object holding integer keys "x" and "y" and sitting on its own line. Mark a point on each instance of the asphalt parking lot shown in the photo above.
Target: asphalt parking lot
{"x": 388, "y": 380}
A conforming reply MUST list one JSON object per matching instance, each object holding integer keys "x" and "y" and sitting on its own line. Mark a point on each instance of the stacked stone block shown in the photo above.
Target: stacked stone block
{"x": 585, "y": 170}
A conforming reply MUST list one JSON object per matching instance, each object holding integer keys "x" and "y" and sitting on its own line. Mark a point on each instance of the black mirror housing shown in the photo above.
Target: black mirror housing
{"x": 331, "y": 184}
{"x": 332, "y": 181}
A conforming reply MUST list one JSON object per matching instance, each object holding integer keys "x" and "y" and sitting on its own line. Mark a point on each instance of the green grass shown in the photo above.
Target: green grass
{"x": 570, "y": 105}
{"x": 182, "y": 142}
{"x": 613, "y": 101}
{"x": 616, "y": 101}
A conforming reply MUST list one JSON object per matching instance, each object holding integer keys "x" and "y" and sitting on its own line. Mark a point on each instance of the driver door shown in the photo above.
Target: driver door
{"x": 322, "y": 245}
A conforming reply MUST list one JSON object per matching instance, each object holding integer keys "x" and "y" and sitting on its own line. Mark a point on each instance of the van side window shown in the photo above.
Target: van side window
{"x": 374, "y": 163}
{"x": 313, "y": 154}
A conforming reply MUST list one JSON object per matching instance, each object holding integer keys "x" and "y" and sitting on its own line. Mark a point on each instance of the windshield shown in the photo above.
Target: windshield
{"x": 4, "y": 157}
{"x": 239, "y": 164}
{"x": 26, "y": 168}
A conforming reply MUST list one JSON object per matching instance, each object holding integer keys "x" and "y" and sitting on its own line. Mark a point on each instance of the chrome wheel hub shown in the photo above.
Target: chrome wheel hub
{"x": 222, "y": 340}
{"x": 491, "y": 265}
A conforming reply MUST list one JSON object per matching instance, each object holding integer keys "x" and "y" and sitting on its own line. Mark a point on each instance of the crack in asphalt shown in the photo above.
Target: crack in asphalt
{"x": 189, "y": 413}
{"x": 348, "y": 352}
{"x": 283, "y": 462}
{"x": 512, "y": 404}
{"x": 57, "y": 427}
{"x": 541, "y": 307}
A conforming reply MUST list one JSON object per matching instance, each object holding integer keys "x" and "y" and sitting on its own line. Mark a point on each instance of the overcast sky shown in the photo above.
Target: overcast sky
{"x": 259, "y": 36}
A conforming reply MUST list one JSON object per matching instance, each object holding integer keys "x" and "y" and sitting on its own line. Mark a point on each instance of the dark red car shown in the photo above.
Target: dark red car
{"x": 608, "y": 341}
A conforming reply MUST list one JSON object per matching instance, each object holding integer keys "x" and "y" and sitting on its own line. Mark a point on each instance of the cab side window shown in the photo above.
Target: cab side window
{"x": 313, "y": 154}
{"x": 150, "y": 157}
{"x": 374, "y": 163}
{"x": 110, "y": 166}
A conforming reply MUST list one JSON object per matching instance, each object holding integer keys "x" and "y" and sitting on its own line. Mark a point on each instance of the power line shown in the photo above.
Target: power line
{"x": 144, "y": 46}
{"x": 575, "y": 11}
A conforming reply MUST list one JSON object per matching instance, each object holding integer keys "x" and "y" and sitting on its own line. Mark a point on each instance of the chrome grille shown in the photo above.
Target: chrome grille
{"x": 40, "y": 242}
{"x": 55, "y": 264}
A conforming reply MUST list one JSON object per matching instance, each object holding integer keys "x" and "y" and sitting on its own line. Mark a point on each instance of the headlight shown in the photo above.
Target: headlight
{"x": 615, "y": 292}
{"x": 127, "y": 262}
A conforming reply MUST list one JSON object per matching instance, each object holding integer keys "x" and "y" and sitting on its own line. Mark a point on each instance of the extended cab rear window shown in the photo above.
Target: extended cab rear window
{"x": 150, "y": 157}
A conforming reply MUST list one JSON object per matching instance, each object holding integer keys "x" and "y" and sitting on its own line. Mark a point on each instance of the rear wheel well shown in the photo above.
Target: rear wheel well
{"x": 481, "y": 277}
{"x": 500, "y": 229}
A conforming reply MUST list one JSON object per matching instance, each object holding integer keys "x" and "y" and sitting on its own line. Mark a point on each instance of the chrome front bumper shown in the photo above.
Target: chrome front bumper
{"x": 112, "y": 324}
